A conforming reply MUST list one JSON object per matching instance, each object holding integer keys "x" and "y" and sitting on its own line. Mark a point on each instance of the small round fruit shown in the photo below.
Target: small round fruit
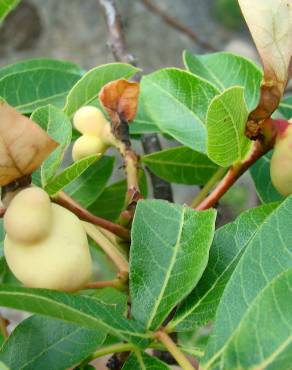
{"x": 28, "y": 218}
{"x": 107, "y": 135}
{"x": 61, "y": 261}
{"x": 87, "y": 145}
{"x": 89, "y": 120}
{"x": 281, "y": 162}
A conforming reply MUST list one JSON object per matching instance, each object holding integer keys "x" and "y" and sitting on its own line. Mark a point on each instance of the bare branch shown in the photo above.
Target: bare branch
{"x": 232, "y": 176}
{"x": 172, "y": 22}
{"x": 151, "y": 143}
{"x": 116, "y": 39}
{"x": 66, "y": 201}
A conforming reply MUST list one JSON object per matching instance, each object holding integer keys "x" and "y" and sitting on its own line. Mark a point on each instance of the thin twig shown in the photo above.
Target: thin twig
{"x": 232, "y": 175}
{"x": 172, "y": 22}
{"x": 3, "y": 327}
{"x": 131, "y": 160}
{"x": 209, "y": 186}
{"x": 116, "y": 40}
{"x": 115, "y": 348}
{"x": 107, "y": 246}
{"x": 181, "y": 359}
{"x": 67, "y": 202}
{"x": 116, "y": 283}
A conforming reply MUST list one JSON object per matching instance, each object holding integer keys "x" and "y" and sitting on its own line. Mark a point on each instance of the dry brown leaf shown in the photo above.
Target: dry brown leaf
{"x": 23, "y": 145}
{"x": 120, "y": 97}
{"x": 270, "y": 23}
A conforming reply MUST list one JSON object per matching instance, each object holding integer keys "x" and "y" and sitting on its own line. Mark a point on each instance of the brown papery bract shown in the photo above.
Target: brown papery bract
{"x": 120, "y": 98}
{"x": 270, "y": 24}
{"x": 23, "y": 145}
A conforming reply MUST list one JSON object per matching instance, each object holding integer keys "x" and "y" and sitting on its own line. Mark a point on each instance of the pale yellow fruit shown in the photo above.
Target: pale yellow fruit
{"x": 28, "y": 218}
{"x": 281, "y": 163}
{"x": 60, "y": 261}
{"x": 87, "y": 145}
{"x": 89, "y": 120}
{"x": 107, "y": 135}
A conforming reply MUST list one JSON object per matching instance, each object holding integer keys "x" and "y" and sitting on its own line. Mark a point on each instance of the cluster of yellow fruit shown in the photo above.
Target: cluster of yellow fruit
{"x": 96, "y": 133}
{"x": 45, "y": 244}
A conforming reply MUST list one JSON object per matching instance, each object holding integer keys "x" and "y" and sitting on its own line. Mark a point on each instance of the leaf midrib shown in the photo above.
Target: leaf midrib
{"x": 185, "y": 107}
{"x": 45, "y": 350}
{"x": 38, "y": 69}
{"x": 168, "y": 274}
{"x": 178, "y": 321}
{"x": 148, "y": 160}
{"x": 72, "y": 310}
{"x": 217, "y": 354}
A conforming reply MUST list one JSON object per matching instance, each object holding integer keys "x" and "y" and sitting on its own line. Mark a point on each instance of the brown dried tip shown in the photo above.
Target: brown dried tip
{"x": 23, "y": 145}
{"x": 270, "y": 24}
{"x": 120, "y": 99}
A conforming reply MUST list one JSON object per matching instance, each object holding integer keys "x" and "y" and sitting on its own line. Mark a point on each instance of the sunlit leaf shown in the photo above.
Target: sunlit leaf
{"x": 226, "y": 120}
{"x": 6, "y": 6}
{"x": 169, "y": 252}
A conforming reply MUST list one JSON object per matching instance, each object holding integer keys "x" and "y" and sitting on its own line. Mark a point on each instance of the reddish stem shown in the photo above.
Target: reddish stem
{"x": 104, "y": 284}
{"x": 66, "y": 201}
{"x": 3, "y": 327}
{"x": 232, "y": 175}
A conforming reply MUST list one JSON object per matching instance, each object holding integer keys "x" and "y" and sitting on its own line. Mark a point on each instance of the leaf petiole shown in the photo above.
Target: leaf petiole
{"x": 209, "y": 186}
{"x": 107, "y": 246}
{"x": 172, "y": 348}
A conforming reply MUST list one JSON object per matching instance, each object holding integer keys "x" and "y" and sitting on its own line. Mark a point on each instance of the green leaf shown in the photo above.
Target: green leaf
{"x": 59, "y": 128}
{"x": 52, "y": 344}
{"x": 169, "y": 252}
{"x": 228, "y": 245}
{"x": 143, "y": 361}
{"x": 70, "y": 174}
{"x": 267, "y": 256}
{"x": 2, "y": 236}
{"x": 3, "y": 366}
{"x": 260, "y": 173}
{"x": 6, "y": 6}
{"x": 172, "y": 100}
{"x": 225, "y": 70}
{"x": 111, "y": 201}
{"x": 285, "y": 107}
{"x": 35, "y": 83}
{"x": 226, "y": 120}
{"x": 142, "y": 123}
{"x": 181, "y": 165}
{"x": 3, "y": 266}
{"x": 91, "y": 83}
{"x": 86, "y": 188}
{"x": 270, "y": 316}
{"x": 110, "y": 296}
{"x": 40, "y": 63}
{"x": 83, "y": 310}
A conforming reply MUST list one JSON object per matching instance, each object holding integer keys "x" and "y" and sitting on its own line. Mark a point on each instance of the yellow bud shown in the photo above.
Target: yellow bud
{"x": 89, "y": 120}
{"x": 87, "y": 145}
